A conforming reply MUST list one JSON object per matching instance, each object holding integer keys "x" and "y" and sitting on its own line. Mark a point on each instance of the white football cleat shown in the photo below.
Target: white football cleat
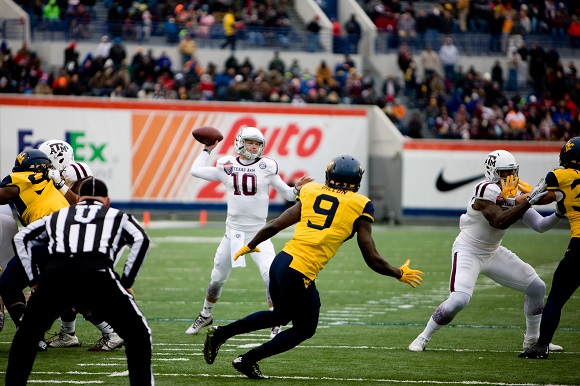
{"x": 64, "y": 340}
{"x": 418, "y": 344}
{"x": 528, "y": 343}
{"x": 108, "y": 342}
{"x": 199, "y": 323}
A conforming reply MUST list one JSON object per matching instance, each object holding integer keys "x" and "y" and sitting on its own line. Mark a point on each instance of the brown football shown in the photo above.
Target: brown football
{"x": 207, "y": 135}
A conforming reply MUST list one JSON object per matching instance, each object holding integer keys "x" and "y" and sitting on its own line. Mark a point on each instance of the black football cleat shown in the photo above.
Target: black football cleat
{"x": 537, "y": 351}
{"x": 250, "y": 370}
{"x": 211, "y": 345}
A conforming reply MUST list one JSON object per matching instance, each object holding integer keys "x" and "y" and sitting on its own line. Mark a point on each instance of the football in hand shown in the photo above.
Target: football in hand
{"x": 207, "y": 135}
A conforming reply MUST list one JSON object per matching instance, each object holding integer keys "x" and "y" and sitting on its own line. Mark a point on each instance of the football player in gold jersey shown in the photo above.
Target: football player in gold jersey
{"x": 325, "y": 217}
{"x": 563, "y": 186}
{"x": 34, "y": 195}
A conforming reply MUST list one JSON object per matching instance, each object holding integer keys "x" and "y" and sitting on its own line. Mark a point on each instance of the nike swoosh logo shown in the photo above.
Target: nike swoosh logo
{"x": 445, "y": 186}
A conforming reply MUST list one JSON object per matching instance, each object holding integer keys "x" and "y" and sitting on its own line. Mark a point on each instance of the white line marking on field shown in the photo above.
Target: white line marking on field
{"x": 366, "y": 380}
{"x": 61, "y": 381}
{"x": 120, "y": 374}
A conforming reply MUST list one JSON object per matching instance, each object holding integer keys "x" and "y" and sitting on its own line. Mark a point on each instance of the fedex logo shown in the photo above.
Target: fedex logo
{"x": 279, "y": 140}
{"x": 83, "y": 151}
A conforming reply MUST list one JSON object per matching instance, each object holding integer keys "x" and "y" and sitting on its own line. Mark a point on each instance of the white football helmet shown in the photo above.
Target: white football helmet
{"x": 59, "y": 152}
{"x": 497, "y": 161}
{"x": 76, "y": 171}
{"x": 253, "y": 134}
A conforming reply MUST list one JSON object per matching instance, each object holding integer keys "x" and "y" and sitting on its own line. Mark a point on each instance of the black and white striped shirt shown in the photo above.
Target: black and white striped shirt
{"x": 87, "y": 230}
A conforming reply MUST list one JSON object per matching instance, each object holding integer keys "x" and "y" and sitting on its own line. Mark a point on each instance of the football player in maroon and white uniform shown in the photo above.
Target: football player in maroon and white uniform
{"x": 247, "y": 178}
{"x": 478, "y": 250}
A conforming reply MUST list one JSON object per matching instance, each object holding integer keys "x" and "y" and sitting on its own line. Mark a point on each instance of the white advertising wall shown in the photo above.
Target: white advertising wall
{"x": 144, "y": 151}
{"x": 440, "y": 175}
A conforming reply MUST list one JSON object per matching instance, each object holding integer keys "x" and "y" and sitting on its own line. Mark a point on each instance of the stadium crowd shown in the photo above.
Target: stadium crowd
{"x": 460, "y": 105}
{"x": 507, "y": 22}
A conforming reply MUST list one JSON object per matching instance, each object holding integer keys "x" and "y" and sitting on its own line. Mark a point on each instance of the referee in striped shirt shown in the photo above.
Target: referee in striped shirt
{"x": 83, "y": 241}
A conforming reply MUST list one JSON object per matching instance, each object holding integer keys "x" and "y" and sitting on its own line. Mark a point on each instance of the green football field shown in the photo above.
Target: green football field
{"x": 366, "y": 322}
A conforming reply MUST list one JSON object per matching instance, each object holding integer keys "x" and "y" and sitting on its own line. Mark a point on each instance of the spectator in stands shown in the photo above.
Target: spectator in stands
{"x": 277, "y": 63}
{"x": 421, "y": 27}
{"x": 104, "y": 48}
{"x": 171, "y": 33}
{"x": 437, "y": 85}
{"x": 495, "y": 25}
{"x": 434, "y": 21}
{"x": 429, "y": 61}
{"x": 513, "y": 62}
{"x": 445, "y": 126}
{"x": 186, "y": 48}
{"x": 390, "y": 87}
{"x": 432, "y": 111}
{"x": 229, "y": 24}
{"x": 516, "y": 122}
{"x": 117, "y": 53}
{"x": 353, "y": 35}
{"x": 51, "y": 15}
{"x": 324, "y": 76}
{"x": 337, "y": 39}
{"x": 406, "y": 28}
{"x": 449, "y": 56}
{"x": 71, "y": 57}
{"x": 404, "y": 58}
{"x": 81, "y": 23}
{"x": 537, "y": 66}
{"x": 574, "y": 32}
{"x": 313, "y": 29}
{"x": 462, "y": 12}
{"x": 558, "y": 25}
{"x": 523, "y": 66}
{"x": 497, "y": 73}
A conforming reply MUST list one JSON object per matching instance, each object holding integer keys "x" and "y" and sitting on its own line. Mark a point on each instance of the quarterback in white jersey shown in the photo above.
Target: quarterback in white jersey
{"x": 496, "y": 203}
{"x": 247, "y": 178}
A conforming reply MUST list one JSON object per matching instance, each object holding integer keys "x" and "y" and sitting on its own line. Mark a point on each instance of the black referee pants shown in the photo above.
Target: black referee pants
{"x": 67, "y": 285}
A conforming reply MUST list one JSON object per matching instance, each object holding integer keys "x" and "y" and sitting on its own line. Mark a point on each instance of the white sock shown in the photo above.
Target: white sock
{"x": 533, "y": 326}
{"x": 105, "y": 328}
{"x": 68, "y": 327}
{"x": 430, "y": 329}
{"x": 207, "y": 307}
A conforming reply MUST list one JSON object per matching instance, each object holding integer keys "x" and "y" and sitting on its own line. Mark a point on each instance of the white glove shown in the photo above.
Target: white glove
{"x": 538, "y": 192}
{"x": 54, "y": 175}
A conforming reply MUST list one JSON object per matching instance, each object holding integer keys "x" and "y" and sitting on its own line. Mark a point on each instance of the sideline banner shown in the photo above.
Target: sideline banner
{"x": 144, "y": 150}
{"x": 440, "y": 175}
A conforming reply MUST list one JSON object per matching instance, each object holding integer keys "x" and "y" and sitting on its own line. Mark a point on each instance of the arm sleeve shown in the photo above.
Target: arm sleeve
{"x": 539, "y": 223}
{"x": 139, "y": 242}
{"x": 281, "y": 187}
{"x": 23, "y": 243}
{"x": 200, "y": 170}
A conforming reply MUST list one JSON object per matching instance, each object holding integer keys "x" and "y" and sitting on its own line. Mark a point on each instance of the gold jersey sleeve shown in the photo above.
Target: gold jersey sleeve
{"x": 38, "y": 197}
{"x": 326, "y": 221}
{"x": 567, "y": 181}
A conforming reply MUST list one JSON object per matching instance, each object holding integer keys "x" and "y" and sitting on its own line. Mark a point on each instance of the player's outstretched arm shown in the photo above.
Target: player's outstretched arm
{"x": 376, "y": 262}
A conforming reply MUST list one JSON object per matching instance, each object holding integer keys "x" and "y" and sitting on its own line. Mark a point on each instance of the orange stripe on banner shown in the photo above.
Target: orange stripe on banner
{"x": 147, "y": 145}
{"x": 219, "y": 107}
{"x": 188, "y": 145}
{"x": 172, "y": 141}
{"x": 152, "y": 176}
{"x": 485, "y": 146}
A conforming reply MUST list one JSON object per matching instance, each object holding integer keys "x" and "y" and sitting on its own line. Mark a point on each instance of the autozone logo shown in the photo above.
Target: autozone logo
{"x": 292, "y": 139}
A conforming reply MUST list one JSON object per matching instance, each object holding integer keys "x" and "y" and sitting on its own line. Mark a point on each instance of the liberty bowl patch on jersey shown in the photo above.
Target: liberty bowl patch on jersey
{"x": 262, "y": 165}
{"x": 228, "y": 168}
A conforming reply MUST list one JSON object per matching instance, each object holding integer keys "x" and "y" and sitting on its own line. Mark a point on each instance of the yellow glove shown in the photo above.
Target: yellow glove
{"x": 509, "y": 188}
{"x": 410, "y": 276}
{"x": 524, "y": 187}
{"x": 243, "y": 250}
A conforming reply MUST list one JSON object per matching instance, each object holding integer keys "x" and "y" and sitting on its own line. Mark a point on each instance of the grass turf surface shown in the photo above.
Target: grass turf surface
{"x": 366, "y": 323}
